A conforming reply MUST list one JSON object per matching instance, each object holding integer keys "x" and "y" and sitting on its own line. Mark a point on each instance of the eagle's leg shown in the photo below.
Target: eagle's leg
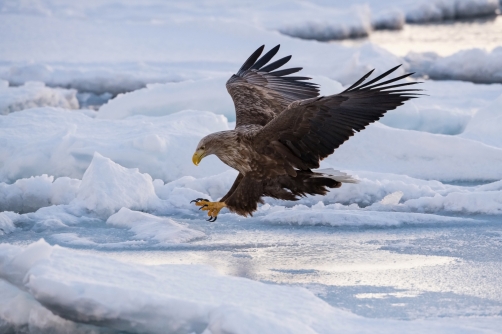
{"x": 232, "y": 189}
{"x": 213, "y": 208}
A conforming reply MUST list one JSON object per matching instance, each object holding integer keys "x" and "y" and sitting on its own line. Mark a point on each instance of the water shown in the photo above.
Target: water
{"x": 406, "y": 272}
{"x": 444, "y": 38}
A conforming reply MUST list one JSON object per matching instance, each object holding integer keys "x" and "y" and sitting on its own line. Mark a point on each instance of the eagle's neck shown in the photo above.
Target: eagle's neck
{"x": 232, "y": 149}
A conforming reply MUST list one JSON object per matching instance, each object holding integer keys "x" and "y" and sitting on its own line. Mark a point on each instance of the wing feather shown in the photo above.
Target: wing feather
{"x": 312, "y": 129}
{"x": 260, "y": 94}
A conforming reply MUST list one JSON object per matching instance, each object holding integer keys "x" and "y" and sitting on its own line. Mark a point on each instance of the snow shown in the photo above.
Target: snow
{"x": 35, "y": 94}
{"x": 475, "y": 65}
{"x": 418, "y": 154}
{"x": 165, "y": 99}
{"x": 59, "y": 142}
{"x": 431, "y": 114}
{"x": 486, "y": 125}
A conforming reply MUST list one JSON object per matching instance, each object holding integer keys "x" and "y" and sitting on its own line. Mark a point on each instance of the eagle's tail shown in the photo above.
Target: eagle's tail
{"x": 315, "y": 182}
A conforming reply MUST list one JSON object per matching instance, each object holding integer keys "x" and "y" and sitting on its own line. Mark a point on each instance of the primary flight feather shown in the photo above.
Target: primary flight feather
{"x": 284, "y": 129}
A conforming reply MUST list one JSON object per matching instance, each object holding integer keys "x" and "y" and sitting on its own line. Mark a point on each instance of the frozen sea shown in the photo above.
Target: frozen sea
{"x": 103, "y": 103}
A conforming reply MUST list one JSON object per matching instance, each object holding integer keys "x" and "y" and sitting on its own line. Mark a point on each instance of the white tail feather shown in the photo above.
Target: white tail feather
{"x": 335, "y": 175}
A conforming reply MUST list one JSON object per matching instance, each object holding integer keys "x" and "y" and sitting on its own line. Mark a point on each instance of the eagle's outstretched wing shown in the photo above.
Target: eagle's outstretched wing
{"x": 310, "y": 130}
{"x": 260, "y": 92}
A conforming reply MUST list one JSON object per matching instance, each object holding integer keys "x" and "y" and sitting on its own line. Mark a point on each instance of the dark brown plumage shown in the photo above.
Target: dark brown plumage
{"x": 283, "y": 131}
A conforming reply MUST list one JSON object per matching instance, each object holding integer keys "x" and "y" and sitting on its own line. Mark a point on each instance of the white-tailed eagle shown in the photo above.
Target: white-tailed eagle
{"x": 284, "y": 129}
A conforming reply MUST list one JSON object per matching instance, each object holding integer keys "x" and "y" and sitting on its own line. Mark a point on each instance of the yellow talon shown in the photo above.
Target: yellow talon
{"x": 212, "y": 208}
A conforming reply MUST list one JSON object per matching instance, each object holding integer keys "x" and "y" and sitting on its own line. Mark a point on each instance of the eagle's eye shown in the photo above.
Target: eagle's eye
{"x": 202, "y": 147}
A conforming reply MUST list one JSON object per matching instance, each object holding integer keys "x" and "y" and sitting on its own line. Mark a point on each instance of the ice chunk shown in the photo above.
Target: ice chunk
{"x": 7, "y": 220}
{"x": 107, "y": 187}
{"x": 30, "y": 194}
{"x": 474, "y": 65}
{"x": 147, "y": 226}
{"x": 35, "y": 94}
{"x": 26, "y": 195}
{"x": 392, "y": 199}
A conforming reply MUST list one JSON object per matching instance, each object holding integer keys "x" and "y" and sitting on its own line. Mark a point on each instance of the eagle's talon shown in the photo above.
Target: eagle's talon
{"x": 212, "y": 208}
{"x": 197, "y": 200}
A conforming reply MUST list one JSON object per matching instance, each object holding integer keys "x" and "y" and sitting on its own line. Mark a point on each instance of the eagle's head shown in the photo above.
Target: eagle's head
{"x": 214, "y": 143}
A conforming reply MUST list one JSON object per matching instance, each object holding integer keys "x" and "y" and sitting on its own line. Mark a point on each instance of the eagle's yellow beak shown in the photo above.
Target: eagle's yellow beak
{"x": 197, "y": 157}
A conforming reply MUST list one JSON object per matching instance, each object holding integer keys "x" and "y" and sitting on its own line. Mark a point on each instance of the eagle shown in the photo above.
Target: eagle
{"x": 284, "y": 129}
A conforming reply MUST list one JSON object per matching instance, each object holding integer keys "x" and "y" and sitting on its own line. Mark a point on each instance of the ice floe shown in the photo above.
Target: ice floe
{"x": 147, "y": 226}
{"x": 476, "y": 65}
{"x": 56, "y": 289}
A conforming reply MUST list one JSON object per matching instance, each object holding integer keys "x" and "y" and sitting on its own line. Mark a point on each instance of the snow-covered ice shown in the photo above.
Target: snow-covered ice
{"x": 35, "y": 94}
{"x": 60, "y": 142}
{"x": 475, "y": 65}
{"x": 97, "y": 233}
{"x": 426, "y": 11}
